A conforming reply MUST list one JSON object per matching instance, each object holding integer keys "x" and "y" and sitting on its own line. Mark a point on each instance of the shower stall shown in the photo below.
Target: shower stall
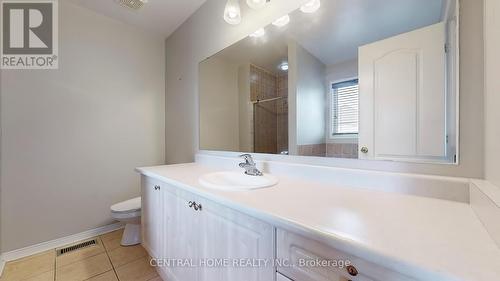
{"x": 269, "y": 96}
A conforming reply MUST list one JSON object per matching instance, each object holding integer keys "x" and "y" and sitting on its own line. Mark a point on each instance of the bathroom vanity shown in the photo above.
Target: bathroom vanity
{"x": 304, "y": 228}
{"x": 381, "y": 86}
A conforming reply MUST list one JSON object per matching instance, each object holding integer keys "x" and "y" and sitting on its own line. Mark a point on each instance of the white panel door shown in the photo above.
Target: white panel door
{"x": 230, "y": 235}
{"x": 403, "y": 96}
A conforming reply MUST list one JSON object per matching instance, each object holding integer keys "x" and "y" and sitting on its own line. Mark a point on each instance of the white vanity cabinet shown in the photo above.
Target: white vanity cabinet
{"x": 180, "y": 227}
{"x": 183, "y": 229}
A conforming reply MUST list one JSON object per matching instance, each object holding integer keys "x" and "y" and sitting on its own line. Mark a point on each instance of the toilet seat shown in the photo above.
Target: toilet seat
{"x": 127, "y": 207}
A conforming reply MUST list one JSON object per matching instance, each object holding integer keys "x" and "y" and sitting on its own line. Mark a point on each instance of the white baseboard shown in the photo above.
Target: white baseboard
{"x": 56, "y": 243}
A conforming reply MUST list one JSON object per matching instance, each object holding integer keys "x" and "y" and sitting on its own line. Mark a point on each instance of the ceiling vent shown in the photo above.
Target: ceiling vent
{"x": 133, "y": 4}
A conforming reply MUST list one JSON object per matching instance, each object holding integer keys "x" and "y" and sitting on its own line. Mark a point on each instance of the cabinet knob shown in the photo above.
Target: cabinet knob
{"x": 364, "y": 149}
{"x": 352, "y": 270}
{"x": 196, "y": 206}
{"x": 157, "y": 187}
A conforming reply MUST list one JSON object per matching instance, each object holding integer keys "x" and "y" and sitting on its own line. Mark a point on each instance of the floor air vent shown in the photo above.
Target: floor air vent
{"x": 78, "y": 246}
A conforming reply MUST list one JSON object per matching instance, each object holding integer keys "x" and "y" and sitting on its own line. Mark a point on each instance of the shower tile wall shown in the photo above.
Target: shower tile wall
{"x": 312, "y": 150}
{"x": 263, "y": 84}
{"x": 270, "y": 117}
{"x": 342, "y": 150}
{"x": 336, "y": 150}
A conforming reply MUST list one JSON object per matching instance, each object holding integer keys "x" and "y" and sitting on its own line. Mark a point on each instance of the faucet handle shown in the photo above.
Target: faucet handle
{"x": 248, "y": 158}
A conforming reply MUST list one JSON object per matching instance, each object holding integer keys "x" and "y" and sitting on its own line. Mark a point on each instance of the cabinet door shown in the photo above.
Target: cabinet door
{"x": 232, "y": 236}
{"x": 182, "y": 235}
{"x": 402, "y": 88}
{"x": 153, "y": 217}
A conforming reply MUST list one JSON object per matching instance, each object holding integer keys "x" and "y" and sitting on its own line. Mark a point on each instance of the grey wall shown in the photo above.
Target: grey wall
{"x": 72, "y": 137}
{"x": 206, "y": 33}
{"x": 492, "y": 90}
{"x": 219, "y": 105}
{"x": 341, "y": 71}
{"x": 309, "y": 92}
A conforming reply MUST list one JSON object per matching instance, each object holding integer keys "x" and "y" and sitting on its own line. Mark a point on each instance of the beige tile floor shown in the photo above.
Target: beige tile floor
{"x": 107, "y": 261}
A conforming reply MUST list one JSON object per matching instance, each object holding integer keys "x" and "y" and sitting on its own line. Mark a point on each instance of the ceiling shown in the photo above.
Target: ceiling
{"x": 334, "y": 33}
{"x": 159, "y": 16}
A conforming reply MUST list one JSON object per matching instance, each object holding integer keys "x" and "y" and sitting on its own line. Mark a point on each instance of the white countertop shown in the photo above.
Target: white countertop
{"x": 421, "y": 237}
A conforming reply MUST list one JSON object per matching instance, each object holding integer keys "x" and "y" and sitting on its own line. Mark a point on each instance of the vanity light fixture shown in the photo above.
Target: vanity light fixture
{"x": 256, "y": 4}
{"x": 258, "y": 33}
{"x": 282, "y": 21}
{"x": 284, "y": 66}
{"x": 232, "y": 12}
{"x": 311, "y": 6}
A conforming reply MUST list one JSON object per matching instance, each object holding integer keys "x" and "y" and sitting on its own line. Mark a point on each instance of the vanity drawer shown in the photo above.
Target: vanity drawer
{"x": 295, "y": 249}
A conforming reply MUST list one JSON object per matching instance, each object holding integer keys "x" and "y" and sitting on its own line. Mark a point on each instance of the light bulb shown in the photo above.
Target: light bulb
{"x": 256, "y": 4}
{"x": 284, "y": 66}
{"x": 284, "y": 20}
{"x": 232, "y": 12}
{"x": 258, "y": 33}
{"x": 311, "y": 6}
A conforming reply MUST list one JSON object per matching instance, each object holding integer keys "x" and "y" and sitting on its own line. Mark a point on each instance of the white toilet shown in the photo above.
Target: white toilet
{"x": 129, "y": 212}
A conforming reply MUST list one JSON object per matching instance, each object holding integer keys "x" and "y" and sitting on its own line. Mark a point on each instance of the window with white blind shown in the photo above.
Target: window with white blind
{"x": 345, "y": 108}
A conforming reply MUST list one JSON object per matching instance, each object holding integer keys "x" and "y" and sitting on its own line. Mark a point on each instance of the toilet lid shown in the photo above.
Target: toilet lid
{"x": 127, "y": 206}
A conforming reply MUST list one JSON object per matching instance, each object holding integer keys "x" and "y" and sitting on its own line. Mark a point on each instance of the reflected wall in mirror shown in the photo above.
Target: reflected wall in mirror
{"x": 356, "y": 79}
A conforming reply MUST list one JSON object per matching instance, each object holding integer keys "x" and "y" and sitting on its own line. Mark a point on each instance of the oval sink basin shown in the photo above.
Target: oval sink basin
{"x": 236, "y": 181}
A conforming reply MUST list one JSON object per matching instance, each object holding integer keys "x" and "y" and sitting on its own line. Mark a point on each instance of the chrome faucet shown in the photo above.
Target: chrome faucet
{"x": 249, "y": 166}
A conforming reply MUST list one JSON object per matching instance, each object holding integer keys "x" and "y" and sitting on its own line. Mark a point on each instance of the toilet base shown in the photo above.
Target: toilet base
{"x": 131, "y": 234}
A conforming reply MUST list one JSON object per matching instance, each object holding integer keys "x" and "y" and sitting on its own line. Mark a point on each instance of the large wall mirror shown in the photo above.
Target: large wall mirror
{"x": 363, "y": 79}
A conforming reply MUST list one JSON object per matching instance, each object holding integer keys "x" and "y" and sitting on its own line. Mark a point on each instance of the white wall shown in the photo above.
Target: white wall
{"x": 72, "y": 137}
{"x": 335, "y": 73}
{"x": 206, "y": 33}
{"x": 342, "y": 71}
{"x": 219, "y": 105}
{"x": 309, "y": 92}
{"x": 492, "y": 90}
